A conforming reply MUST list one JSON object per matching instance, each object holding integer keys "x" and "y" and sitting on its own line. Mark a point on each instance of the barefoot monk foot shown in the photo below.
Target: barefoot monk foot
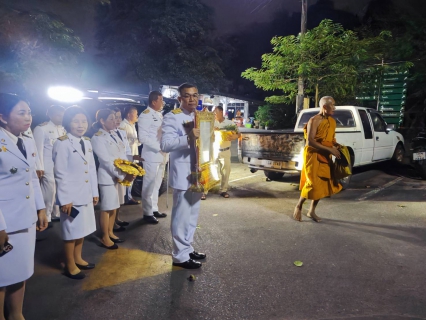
{"x": 314, "y": 217}
{"x": 297, "y": 214}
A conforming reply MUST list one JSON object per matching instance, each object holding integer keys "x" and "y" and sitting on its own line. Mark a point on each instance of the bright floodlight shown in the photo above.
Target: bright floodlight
{"x": 65, "y": 94}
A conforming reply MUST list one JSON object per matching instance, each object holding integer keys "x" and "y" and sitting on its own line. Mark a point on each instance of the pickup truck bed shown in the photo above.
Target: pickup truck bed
{"x": 271, "y": 149}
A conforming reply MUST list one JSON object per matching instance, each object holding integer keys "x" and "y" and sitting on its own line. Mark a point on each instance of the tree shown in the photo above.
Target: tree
{"x": 161, "y": 41}
{"x": 36, "y": 48}
{"x": 408, "y": 42}
{"x": 328, "y": 57}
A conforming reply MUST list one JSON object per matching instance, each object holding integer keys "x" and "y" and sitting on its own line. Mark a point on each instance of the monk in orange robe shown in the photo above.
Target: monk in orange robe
{"x": 315, "y": 180}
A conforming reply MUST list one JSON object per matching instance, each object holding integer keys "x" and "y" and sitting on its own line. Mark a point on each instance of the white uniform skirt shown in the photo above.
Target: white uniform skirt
{"x": 109, "y": 196}
{"x": 18, "y": 264}
{"x": 83, "y": 224}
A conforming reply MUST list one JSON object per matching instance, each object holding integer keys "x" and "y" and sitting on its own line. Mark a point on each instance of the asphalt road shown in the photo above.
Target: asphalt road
{"x": 365, "y": 260}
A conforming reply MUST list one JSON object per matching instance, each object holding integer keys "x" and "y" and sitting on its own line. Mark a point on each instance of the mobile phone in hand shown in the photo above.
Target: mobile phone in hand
{"x": 74, "y": 212}
{"x": 7, "y": 248}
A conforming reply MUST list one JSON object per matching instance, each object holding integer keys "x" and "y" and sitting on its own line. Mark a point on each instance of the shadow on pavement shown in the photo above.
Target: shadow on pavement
{"x": 414, "y": 235}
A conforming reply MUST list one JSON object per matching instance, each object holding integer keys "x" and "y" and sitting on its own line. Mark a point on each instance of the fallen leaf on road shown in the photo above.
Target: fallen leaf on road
{"x": 215, "y": 215}
{"x": 401, "y": 206}
{"x": 192, "y": 278}
{"x": 198, "y": 227}
{"x": 298, "y": 263}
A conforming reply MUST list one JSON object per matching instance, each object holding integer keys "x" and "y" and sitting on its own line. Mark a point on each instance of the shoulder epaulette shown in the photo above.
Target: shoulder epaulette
{"x": 146, "y": 111}
{"x": 43, "y": 124}
{"x": 86, "y": 138}
{"x": 26, "y": 136}
{"x": 98, "y": 133}
{"x": 122, "y": 129}
{"x": 62, "y": 138}
{"x": 177, "y": 111}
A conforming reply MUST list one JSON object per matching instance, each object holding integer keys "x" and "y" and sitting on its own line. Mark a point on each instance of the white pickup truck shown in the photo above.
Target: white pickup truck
{"x": 365, "y": 133}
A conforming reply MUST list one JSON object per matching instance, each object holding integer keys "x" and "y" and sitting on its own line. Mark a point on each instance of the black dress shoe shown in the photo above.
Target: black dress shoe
{"x": 117, "y": 240}
{"x": 197, "y": 255}
{"x": 78, "y": 276}
{"x": 150, "y": 219}
{"x": 160, "y": 215}
{"x": 121, "y": 229}
{"x": 133, "y": 201}
{"x": 190, "y": 264}
{"x": 55, "y": 219}
{"x": 122, "y": 223}
{"x": 113, "y": 247}
{"x": 90, "y": 266}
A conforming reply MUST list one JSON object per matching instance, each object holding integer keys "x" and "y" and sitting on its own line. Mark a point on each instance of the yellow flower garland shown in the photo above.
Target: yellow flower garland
{"x": 130, "y": 168}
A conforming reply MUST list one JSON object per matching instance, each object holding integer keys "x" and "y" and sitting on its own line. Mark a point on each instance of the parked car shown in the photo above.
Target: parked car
{"x": 363, "y": 130}
{"x": 418, "y": 158}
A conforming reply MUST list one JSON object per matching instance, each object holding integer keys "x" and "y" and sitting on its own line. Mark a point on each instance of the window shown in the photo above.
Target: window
{"x": 305, "y": 118}
{"x": 368, "y": 134}
{"x": 379, "y": 124}
{"x": 344, "y": 119}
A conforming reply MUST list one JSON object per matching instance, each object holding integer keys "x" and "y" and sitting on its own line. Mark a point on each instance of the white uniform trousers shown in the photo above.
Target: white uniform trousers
{"x": 185, "y": 211}
{"x": 224, "y": 167}
{"x": 223, "y": 161}
{"x": 154, "y": 172}
{"x": 48, "y": 189}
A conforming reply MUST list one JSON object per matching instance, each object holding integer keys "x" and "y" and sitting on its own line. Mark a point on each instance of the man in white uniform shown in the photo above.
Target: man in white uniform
{"x": 179, "y": 136}
{"x": 45, "y": 135}
{"x": 149, "y": 125}
{"x": 128, "y": 125}
{"x": 222, "y": 151}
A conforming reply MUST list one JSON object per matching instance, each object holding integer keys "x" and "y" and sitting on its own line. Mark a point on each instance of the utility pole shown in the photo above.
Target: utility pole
{"x": 300, "y": 89}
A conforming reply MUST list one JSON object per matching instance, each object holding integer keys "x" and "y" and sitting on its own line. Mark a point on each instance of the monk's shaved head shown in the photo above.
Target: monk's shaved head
{"x": 327, "y": 106}
{"x": 327, "y": 100}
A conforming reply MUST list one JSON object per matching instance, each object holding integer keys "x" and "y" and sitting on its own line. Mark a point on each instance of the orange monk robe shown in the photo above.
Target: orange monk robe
{"x": 315, "y": 180}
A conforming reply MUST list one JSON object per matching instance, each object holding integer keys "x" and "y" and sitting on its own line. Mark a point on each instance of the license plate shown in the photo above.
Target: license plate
{"x": 419, "y": 156}
{"x": 267, "y": 163}
{"x": 276, "y": 165}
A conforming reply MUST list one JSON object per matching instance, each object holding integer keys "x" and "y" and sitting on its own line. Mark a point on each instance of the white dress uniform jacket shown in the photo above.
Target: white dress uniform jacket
{"x": 122, "y": 135}
{"x": 20, "y": 195}
{"x": 108, "y": 147}
{"x": 75, "y": 172}
{"x": 132, "y": 136}
{"x": 149, "y": 131}
{"x": 2, "y": 222}
{"x": 45, "y": 135}
{"x": 176, "y": 126}
{"x": 39, "y": 164}
{"x": 122, "y": 190}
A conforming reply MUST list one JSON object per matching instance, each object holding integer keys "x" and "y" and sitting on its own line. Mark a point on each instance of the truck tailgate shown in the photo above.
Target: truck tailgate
{"x": 282, "y": 145}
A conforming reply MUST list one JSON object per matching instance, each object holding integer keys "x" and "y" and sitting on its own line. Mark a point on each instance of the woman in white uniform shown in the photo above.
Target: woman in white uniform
{"x": 108, "y": 147}
{"x": 76, "y": 189}
{"x": 121, "y": 133}
{"x": 21, "y": 203}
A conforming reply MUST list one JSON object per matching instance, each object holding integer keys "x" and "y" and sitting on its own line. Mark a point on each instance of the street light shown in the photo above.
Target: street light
{"x": 65, "y": 94}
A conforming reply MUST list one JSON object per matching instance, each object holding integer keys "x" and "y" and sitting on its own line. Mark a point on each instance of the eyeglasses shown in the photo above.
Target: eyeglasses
{"x": 188, "y": 96}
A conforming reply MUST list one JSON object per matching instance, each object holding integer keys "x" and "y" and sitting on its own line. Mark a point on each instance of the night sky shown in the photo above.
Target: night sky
{"x": 236, "y": 15}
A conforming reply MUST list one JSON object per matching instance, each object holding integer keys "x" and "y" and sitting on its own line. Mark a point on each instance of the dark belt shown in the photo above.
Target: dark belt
{"x": 224, "y": 149}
